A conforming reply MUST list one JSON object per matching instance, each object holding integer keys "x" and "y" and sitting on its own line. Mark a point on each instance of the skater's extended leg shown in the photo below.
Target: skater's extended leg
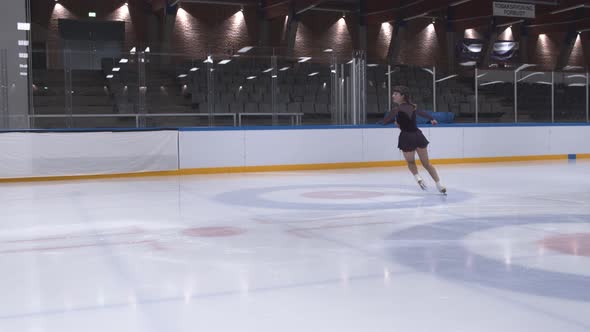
{"x": 423, "y": 155}
{"x": 411, "y": 160}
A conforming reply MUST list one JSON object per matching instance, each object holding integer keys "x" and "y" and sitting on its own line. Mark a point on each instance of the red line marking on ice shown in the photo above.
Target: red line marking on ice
{"x": 219, "y": 231}
{"x": 300, "y": 233}
{"x": 577, "y": 244}
{"x": 77, "y": 246}
{"x": 318, "y": 220}
{"x": 133, "y": 231}
{"x": 304, "y": 231}
{"x": 344, "y": 226}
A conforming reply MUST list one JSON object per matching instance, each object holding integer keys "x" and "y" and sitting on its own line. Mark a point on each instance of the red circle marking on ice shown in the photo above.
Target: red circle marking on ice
{"x": 577, "y": 244}
{"x": 344, "y": 194}
{"x": 213, "y": 231}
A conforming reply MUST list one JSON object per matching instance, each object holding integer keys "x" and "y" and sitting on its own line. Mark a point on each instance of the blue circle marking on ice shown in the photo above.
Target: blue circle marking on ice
{"x": 437, "y": 249}
{"x": 254, "y": 197}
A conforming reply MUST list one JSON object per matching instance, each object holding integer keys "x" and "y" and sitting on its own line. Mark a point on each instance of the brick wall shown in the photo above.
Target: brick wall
{"x": 46, "y": 13}
{"x": 577, "y": 55}
{"x": 424, "y": 44}
{"x": 380, "y": 37}
{"x": 318, "y": 31}
{"x": 201, "y": 29}
{"x": 544, "y": 49}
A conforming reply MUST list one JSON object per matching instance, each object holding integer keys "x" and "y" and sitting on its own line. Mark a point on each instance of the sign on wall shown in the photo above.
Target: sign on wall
{"x": 514, "y": 9}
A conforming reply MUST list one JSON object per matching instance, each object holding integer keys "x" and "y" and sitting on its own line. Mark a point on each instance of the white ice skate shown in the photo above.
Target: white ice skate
{"x": 442, "y": 189}
{"x": 422, "y": 184}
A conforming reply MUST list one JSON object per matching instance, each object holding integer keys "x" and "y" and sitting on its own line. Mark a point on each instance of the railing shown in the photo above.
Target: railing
{"x": 137, "y": 117}
{"x": 236, "y": 117}
{"x": 295, "y": 117}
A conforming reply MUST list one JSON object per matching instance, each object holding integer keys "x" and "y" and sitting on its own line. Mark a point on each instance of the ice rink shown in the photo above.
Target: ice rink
{"x": 347, "y": 250}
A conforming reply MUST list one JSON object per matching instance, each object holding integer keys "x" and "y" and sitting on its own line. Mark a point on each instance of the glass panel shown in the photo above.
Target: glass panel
{"x": 251, "y": 83}
{"x": 304, "y": 89}
{"x": 176, "y": 90}
{"x": 339, "y": 72}
{"x": 99, "y": 79}
{"x": 289, "y": 92}
{"x": 378, "y": 92}
{"x": 227, "y": 88}
{"x": 451, "y": 91}
{"x": 495, "y": 96}
{"x": 570, "y": 97}
{"x": 48, "y": 104}
{"x": 422, "y": 90}
{"x": 534, "y": 96}
{"x": 4, "y": 89}
{"x": 462, "y": 102}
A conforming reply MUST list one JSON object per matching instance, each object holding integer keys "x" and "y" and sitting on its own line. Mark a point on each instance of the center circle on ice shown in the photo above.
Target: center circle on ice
{"x": 439, "y": 250}
{"x": 213, "y": 231}
{"x": 339, "y": 197}
{"x": 344, "y": 194}
{"x": 577, "y": 244}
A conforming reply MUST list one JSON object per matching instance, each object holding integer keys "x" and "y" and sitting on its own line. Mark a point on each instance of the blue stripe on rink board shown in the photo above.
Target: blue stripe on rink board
{"x": 84, "y": 130}
{"x": 304, "y": 127}
{"x": 571, "y": 156}
{"x": 447, "y": 125}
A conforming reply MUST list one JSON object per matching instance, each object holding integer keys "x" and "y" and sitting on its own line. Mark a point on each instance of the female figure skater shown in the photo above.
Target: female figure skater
{"x": 411, "y": 139}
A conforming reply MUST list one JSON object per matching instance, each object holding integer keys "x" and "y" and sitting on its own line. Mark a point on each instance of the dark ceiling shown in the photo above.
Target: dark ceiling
{"x": 550, "y": 15}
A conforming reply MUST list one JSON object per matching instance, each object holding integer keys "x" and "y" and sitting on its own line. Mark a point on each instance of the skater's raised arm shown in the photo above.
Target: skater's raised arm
{"x": 391, "y": 116}
{"x": 426, "y": 115}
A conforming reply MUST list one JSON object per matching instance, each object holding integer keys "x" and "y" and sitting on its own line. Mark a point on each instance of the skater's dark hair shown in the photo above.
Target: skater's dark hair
{"x": 405, "y": 92}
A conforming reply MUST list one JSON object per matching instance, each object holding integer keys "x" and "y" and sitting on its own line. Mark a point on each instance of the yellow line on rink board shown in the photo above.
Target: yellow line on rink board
{"x": 281, "y": 168}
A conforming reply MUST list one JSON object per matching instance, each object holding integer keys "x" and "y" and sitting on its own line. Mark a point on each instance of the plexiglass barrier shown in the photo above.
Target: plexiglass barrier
{"x": 138, "y": 88}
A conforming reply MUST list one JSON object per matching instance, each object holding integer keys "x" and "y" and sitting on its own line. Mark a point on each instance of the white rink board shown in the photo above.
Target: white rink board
{"x": 375, "y": 144}
{"x": 87, "y": 153}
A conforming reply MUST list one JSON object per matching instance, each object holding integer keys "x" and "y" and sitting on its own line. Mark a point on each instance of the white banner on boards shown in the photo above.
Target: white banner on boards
{"x": 87, "y": 153}
{"x": 511, "y": 9}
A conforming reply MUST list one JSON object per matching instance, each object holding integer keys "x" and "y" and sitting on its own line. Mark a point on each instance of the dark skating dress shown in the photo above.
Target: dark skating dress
{"x": 410, "y": 137}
